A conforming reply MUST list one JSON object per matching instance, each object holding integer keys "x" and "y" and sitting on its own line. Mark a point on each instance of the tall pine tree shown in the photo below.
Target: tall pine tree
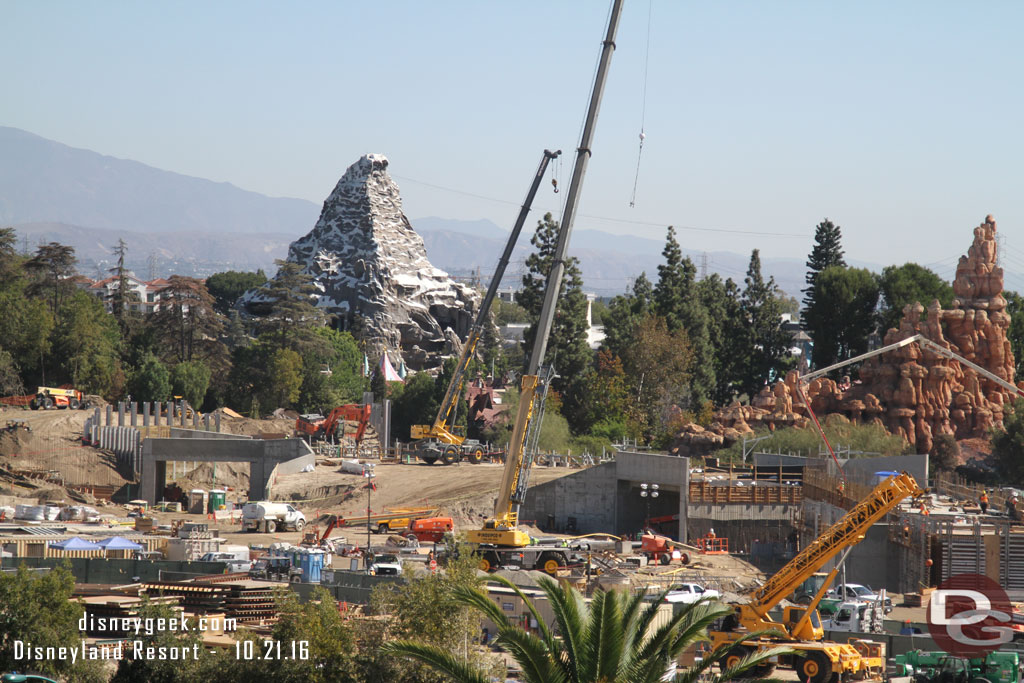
{"x": 762, "y": 312}
{"x": 727, "y": 327}
{"x": 677, "y": 301}
{"x": 827, "y": 251}
{"x": 567, "y": 345}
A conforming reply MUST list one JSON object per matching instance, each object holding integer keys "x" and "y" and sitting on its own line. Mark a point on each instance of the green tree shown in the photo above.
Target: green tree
{"x": 842, "y": 316}
{"x": 1008, "y": 445}
{"x": 226, "y": 287}
{"x": 157, "y": 670}
{"x": 416, "y": 405}
{"x": 52, "y": 268}
{"x": 329, "y": 637}
{"x": 677, "y": 301}
{"x": 567, "y": 346}
{"x": 26, "y": 325}
{"x": 732, "y": 335}
{"x": 87, "y": 339}
{"x": 659, "y": 366}
{"x": 290, "y": 313}
{"x": 827, "y": 252}
{"x": 151, "y": 381}
{"x": 332, "y": 372}
{"x": 609, "y": 405}
{"x": 10, "y": 261}
{"x": 10, "y": 378}
{"x": 38, "y": 609}
{"x": 190, "y": 380}
{"x": 506, "y": 312}
{"x": 624, "y": 314}
{"x": 902, "y": 285}
{"x": 187, "y": 325}
{"x": 768, "y": 351}
{"x": 450, "y": 626}
{"x": 284, "y": 378}
{"x": 1015, "y": 334}
{"x": 124, "y": 294}
{"x": 945, "y": 453}
{"x": 612, "y": 638}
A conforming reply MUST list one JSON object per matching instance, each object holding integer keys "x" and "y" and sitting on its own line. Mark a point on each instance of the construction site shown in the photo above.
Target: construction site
{"x": 845, "y": 563}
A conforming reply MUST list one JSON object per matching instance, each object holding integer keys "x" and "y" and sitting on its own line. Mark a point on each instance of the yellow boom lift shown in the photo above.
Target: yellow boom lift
{"x": 800, "y": 626}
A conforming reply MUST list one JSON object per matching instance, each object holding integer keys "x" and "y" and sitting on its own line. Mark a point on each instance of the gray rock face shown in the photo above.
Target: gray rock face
{"x": 368, "y": 263}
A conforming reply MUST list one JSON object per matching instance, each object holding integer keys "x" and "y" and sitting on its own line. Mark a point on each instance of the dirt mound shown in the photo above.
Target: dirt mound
{"x": 230, "y": 475}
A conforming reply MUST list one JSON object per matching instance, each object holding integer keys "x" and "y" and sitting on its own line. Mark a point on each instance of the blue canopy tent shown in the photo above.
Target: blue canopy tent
{"x": 119, "y": 543}
{"x": 75, "y": 543}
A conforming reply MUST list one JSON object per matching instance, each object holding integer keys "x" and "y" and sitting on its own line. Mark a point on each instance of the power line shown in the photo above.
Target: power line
{"x": 660, "y": 224}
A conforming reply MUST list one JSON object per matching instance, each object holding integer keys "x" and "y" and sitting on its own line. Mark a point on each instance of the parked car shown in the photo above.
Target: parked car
{"x": 690, "y": 592}
{"x": 860, "y": 593}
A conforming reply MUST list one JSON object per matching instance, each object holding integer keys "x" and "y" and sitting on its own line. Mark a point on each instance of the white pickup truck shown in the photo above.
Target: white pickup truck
{"x": 687, "y": 593}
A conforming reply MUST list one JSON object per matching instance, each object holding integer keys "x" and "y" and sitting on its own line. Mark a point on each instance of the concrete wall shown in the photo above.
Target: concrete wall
{"x": 915, "y": 465}
{"x": 180, "y": 433}
{"x": 588, "y": 496}
{"x": 606, "y": 498}
{"x": 262, "y": 455}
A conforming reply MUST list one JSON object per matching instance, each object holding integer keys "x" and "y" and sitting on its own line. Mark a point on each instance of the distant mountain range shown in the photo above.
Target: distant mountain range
{"x": 174, "y": 223}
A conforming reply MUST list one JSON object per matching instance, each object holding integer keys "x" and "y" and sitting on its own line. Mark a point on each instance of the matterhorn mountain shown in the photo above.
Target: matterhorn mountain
{"x": 368, "y": 264}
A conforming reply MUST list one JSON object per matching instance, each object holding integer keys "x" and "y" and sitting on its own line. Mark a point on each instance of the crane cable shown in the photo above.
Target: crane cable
{"x": 810, "y": 411}
{"x": 643, "y": 107}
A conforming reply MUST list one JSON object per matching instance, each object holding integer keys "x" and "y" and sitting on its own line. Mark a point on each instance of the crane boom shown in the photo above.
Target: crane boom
{"x": 440, "y": 429}
{"x": 503, "y": 527}
{"x": 848, "y": 531}
{"x": 925, "y": 343}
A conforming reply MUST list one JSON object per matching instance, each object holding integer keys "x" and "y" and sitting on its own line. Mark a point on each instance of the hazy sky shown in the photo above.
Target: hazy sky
{"x": 900, "y": 121}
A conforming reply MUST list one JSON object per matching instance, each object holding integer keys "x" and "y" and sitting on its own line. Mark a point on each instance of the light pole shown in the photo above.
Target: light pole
{"x": 648, "y": 491}
{"x": 369, "y": 489}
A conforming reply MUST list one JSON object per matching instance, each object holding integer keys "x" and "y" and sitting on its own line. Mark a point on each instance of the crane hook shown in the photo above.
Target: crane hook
{"x": 554, "y": 182}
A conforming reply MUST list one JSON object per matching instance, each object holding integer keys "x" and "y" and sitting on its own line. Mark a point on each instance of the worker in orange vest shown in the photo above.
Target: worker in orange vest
{"x": 924, "y": 509}
{"x": 983, "y": 501}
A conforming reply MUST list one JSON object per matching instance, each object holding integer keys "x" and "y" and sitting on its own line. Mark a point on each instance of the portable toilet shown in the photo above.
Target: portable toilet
{"x": 197, "y": 501}
{"x": 218, "y": 499}
{"x": 313, "y": 565}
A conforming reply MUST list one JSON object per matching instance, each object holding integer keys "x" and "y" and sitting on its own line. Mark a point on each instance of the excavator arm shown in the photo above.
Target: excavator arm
{"x": 353, "y": 412}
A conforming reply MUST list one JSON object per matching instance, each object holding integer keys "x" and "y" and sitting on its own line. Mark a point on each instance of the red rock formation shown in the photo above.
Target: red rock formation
{"x": 911, "y": 391}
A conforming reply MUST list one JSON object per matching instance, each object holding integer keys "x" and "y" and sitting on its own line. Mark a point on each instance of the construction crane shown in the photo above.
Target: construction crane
{"x": 800, "y": 626}
{"x": 443, "y": 440}
{"x": 501, "y": 540}
{"x": 315, "y": 427}
{"x": 926, "y": 343}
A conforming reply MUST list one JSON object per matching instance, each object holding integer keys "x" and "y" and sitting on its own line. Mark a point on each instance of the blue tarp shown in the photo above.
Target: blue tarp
{"x": 75, "y": 543}
{"x": 119, "y": 543}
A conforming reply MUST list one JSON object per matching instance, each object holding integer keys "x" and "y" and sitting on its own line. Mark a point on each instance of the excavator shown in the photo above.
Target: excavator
{"x": 444, "y": 440}
{"x": 501, "y": 542}
{"x": 819, "y": 661}
{"x": 315, "y": 427}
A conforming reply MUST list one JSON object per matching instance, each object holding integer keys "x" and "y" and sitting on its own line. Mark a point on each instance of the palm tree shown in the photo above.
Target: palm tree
{"x": 608, "y": 640}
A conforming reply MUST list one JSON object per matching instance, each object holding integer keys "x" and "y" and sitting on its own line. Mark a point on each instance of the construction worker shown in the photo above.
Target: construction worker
{"x": 1011, "y": 508}
{"x": 983, "y": 502}
{"x": 924, "y": 509}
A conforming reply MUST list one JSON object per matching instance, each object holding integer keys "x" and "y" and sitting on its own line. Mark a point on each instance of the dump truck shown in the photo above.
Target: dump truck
{"x": 55, "y": 397}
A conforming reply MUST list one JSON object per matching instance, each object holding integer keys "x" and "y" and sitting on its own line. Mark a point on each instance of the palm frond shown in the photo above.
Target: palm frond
{"x": 545, "y": 630}
{"x": 568, "y": 607}
{"x": 537, "y": 662}
{"x": 438, "y": 659}
{"x": 478, "y": 599}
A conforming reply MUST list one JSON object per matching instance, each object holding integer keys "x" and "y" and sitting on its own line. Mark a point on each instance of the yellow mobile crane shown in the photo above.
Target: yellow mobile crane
{"x": 500, "y": 541}
{"x": 800, "y": 626}
{"x": 443, "y": 440}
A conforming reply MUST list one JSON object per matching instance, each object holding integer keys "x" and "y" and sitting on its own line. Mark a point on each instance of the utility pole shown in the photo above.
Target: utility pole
{"x": 547, "y": 311}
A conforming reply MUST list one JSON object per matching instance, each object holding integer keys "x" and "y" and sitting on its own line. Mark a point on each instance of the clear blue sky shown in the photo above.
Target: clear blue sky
{"x": 900, "y": 121}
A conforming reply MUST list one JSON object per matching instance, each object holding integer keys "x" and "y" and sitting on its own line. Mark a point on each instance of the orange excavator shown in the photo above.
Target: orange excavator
{"x": 316, "y": 427}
